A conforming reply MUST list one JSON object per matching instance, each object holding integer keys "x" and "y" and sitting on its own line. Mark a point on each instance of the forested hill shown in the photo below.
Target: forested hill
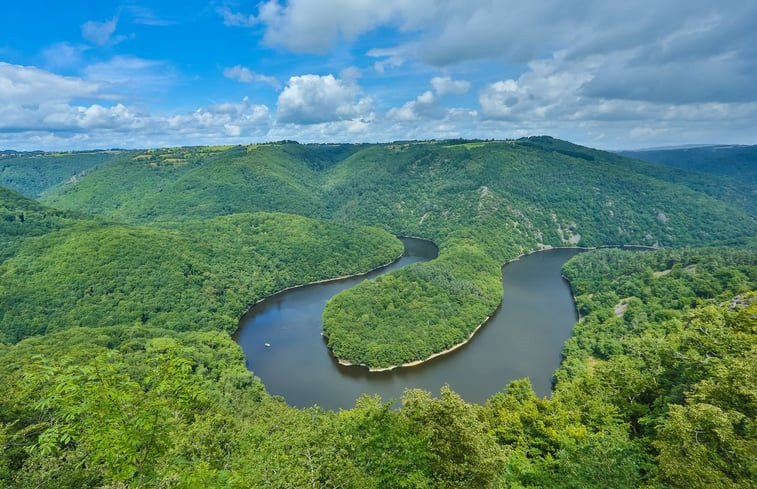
{"x": 202, "y": 275}
{"x": 482, "y": 202}
{"x": 544, "y": 191}
{"x": 22, "y": 217}
{"x": 117, "y": 369}
{"x": 725, "y": 160}
{"x": 726, "y": 172}
{"x": 34, "y": 172}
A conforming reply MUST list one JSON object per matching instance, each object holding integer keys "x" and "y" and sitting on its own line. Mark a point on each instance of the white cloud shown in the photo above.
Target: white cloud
{"x": 388, "y": 62}
{"x": 312, "y": 99}
{"x": 27, "y": 85}
{"x": 554, "y": 90}
{"x": 546, "y": 90}
{"x": 423, "y": 106}
{"x": 131, "y": 75}
{"x": 63, "y": 54}
{"x": 313, "y": 26}
{"x": 236, "y": 19}
{"x": 39, "y": 109}
{"x": 101, "y": 33}
{"x": 228, "y": 119}
{"x": 444, "y": 84}
{"x": 245, "y": 75}
{"x": 652, "y": 58}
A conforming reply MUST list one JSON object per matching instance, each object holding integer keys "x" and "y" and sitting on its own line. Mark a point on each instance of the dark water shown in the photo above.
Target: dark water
{"x": 523, "y": 338}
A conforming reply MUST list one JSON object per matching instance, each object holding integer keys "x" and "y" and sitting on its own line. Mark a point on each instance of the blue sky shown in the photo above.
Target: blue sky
{"x": 614, "y": 75}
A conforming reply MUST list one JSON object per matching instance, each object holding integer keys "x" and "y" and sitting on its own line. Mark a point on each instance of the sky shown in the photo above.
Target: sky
{"x": 83, "y": 74}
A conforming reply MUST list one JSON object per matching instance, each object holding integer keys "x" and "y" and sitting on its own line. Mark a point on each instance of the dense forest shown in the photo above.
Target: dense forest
{"x": 725, "y": 160}
{"x": 483, "y": 203}
{"x": 118, "y": 369}
{"x": 727, "y": 172}
{"x": 658, "y": 398}
{"x": 201, "y": 275}
{"x": 32, "y": 173}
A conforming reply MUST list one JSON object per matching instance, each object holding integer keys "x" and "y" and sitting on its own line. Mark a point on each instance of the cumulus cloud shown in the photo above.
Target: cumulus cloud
{"x": 701, "y": 53}
{"x": 445, "y": 84}
{"x": 424, "y": 105}
{"x": 550, "y": 98}
{"x": 41, "y": 109}
{"x": 245, "y": 75}
{"x": 312, "y": 99}
{"x": 544, "y": 90}
{"x": 313, "y": 26}
{"x": 27, "y": 85}
{"x": 228, "y": 119}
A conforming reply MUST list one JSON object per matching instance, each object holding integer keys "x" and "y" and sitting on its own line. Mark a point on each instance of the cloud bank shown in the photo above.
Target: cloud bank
{"x": 606, "y": 74}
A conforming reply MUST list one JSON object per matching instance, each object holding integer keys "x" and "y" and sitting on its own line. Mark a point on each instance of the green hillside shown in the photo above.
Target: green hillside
{"x": 202, "y": 275}
{"x": 726, "y": 172}
{"x": 482, "y": 203}
{"x": 22, "y": 217}
{"x": 186, "y": 183}
{"x": 725, "y": 160}
{"x": 118, "y": 371}
{"x": 34, "y": 173}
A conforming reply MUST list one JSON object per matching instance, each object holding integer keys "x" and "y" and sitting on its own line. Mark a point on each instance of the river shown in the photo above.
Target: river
{"x": 523, "y": 338}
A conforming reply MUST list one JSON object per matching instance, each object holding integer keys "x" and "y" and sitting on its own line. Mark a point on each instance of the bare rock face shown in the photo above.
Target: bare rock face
{"x": 662, "y": 218}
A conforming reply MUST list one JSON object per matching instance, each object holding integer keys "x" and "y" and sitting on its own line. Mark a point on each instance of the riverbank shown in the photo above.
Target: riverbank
{"x": 322, "y": 281}
{"x": 585, "y": 248}
{"x": 415, "y": 363}
{"x": 522, "y": 338}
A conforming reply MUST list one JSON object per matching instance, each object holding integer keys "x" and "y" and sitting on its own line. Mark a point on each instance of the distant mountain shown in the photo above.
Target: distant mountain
{"x": 518, "y": 194}
{"x": 34, "y": 172}
{"x": 725, "y": 160}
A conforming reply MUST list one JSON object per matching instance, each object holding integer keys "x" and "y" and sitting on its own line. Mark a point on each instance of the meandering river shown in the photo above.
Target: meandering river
{"x": 523, "y": 338}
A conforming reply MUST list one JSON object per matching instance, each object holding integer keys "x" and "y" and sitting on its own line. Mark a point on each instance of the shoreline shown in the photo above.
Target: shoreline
{"x": 585, "y": 248}
{"x": 390, "y": 262}
{"x": 415, "y": 363}
{"x": 246, "y": 311}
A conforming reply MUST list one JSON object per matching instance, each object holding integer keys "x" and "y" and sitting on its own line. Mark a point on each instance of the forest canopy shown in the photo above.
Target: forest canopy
{"x": 119, "y": 288}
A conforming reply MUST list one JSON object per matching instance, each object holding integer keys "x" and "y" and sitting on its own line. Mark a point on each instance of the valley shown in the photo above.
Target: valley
{"x": 120, "y": 288}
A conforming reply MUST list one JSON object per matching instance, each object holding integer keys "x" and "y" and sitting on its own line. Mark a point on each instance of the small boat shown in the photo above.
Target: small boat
{"x": 267, "y": 344}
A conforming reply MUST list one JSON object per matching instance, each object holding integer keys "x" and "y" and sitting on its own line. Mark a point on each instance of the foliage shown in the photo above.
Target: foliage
{"x": 369, "y": 325}
{"x": 483, "y": 203}
{"x": 22, "y": 217}
{"x": 726, "y": 172}
{"x": 201, "y": 275}
{"x": 676, "y": 360}
{"x": 126, "y": 389}
{"x": 738, "y": 161}
{"x": 33, "y": 173}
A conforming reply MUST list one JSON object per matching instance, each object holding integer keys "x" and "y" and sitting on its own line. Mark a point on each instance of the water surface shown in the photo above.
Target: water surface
{"x": 524, "y": 338}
